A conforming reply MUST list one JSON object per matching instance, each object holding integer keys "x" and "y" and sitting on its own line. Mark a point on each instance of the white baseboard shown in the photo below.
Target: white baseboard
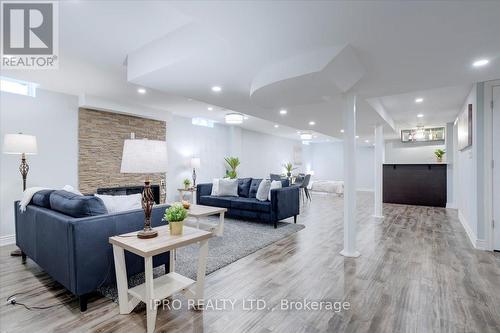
{"x": 480, "y": 244}
{"x": 7, "y": 240}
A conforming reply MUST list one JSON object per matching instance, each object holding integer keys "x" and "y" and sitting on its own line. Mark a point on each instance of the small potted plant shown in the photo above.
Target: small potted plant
{"x": 175, "y": 215}
{"x": 232, "y": 163}
{"x": 187, "y": 183}
{"x": 439, "y": 154}
{"x": 289, "y": 168}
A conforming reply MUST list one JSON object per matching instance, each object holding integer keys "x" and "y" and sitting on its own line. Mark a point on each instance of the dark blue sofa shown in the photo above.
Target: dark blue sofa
{"x": 284, "y": 201}
{"x": 75, "y": 251}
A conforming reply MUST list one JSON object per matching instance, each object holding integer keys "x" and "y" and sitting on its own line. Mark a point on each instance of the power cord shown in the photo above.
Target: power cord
{"x": 11, "y": 300}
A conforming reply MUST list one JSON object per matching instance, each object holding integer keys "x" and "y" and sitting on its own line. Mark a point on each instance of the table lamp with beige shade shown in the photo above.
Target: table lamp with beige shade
{"x": 145, "y": 156}
{"x": 20, "y": 144}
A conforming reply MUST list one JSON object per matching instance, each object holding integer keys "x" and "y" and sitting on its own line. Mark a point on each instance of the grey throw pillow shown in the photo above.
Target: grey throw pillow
{"x": 263, "y": 190}
{"x": 228, "y": 187}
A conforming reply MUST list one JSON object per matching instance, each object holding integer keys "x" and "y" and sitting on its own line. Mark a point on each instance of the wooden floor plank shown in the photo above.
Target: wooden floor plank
{"x": 417, "y": 273}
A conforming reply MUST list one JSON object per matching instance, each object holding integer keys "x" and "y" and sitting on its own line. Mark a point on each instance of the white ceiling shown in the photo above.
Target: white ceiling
{"x": 439, "y": 106}
{"x": 180, "y": 49}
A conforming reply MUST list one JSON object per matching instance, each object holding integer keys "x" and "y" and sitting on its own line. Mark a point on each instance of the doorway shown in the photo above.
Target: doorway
{"x": 496, "y": 168}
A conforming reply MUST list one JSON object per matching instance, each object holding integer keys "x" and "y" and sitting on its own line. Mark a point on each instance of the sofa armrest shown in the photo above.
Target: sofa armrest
{"x": 203, "y": 189}
{"x": 93, "y": 255}
{"x": 285, "y": 202}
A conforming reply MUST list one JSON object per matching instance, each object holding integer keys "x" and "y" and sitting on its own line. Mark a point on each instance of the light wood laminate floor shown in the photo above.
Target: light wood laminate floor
{"x": 417, "y": 273}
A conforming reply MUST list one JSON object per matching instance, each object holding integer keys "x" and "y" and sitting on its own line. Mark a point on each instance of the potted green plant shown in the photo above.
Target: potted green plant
{"x": 175, "y": 215}
{"x": 232, "y": 163}
{"x": 289, "y": 168}
{"x": 187, "y": 183}
{"x": 439, "y": 154}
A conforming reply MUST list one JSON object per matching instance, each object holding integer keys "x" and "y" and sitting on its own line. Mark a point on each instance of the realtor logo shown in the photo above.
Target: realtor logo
{"x": 29, "y": 35}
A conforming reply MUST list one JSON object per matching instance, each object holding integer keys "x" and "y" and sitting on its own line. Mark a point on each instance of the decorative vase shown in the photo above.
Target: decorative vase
{"x": 186, "y": 186}
{"x": 186, "y": 204}
{"x": 176, "y": 227}
{"x": 439, "y": 159}
{"x": 289, "y": 174}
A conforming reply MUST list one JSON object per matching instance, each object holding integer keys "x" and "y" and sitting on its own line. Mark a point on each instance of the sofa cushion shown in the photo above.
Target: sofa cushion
{"x": 254, "y": 186}
{"x": 76, "y": 205}
{"x": 244, "y": 187}
{"x": 42, "y": 198}
{"x": 209, "y": 200}
{"x": 251, "y": 204}
{"x": 228, "y": 187}
{"x": 263, "y": 191}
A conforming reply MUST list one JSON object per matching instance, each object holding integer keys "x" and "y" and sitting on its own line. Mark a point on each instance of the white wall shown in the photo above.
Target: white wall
{"x": 263, "y": 154}
{"x": 184, "y": 141}
{"x": 411, "y": 152}
{"x": 465, "y": 170}
{"x": 260, "y": 154}
{"x": 328, "y": 163}
{"x": 53, "y": 119}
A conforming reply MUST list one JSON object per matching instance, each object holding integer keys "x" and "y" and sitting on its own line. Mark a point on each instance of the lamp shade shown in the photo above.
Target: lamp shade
{"x": 144, "y": 156}
{"x": 19, "y": 144}
{"x": 195, "y": 162}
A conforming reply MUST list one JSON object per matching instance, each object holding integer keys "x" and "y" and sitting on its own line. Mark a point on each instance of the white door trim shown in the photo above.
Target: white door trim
{"x": 488, "y": 157}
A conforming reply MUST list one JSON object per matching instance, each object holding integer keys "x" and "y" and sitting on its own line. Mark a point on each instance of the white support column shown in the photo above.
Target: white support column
{"x": 349, "y": 121}
{"x": 378, "y": 166}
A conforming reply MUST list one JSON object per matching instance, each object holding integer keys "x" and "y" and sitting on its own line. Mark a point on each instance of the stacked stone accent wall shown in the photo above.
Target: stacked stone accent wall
{"x": 100, "y": 137}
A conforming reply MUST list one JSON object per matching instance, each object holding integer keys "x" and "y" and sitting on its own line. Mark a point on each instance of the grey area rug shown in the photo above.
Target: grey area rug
{"x": 240, "y": 239}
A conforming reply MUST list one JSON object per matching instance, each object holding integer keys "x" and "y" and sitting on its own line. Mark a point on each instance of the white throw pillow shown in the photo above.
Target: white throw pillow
{"x": 120, "y": 203}
{"x": 274, "y": 184}
{"x": 263, "y": 190}
{"x": 215, "y": 187}
{"x": 228, "y": 187}
{"x": 69, "y": 188}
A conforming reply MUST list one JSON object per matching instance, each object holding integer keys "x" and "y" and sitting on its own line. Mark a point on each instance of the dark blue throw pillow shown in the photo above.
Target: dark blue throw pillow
{"x": 254, "y": 186}
{"x": 76, "y": 205}
{"x": 42, "y": 198}
{"x": 244, "y": 187}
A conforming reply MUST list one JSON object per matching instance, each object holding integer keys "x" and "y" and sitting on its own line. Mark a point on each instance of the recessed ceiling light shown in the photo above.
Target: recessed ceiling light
{"x": 367, "y": 141}
{"x": 210, "y": 108}
{"x": 341, "y": 131}
{"x": 480, "y": 62}
{"x": 245, "y": 117}
{"x": 283, "y": 111}
{"x": 357, "y": 136}
{"x": 141, "y": 91}
{"x": 312, "y": 123}
{"x": 276, "y": 126}
{"x": 419, "y": 100}
{"x": 306, "y": 136}
{"x": 420, "y": 115}
{"x": 216, "y": 89}
{"x": 233, "y": 118}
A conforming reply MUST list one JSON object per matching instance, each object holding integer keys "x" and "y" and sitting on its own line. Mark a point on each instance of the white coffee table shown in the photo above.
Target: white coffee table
{"x": 154, "y": 290}
{"x": 200, "y": 211}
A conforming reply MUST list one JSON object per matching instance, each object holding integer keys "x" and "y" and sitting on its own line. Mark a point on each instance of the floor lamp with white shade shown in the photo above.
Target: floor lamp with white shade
{"x": 145, "y": 156}
{"x": 20, "y": 144}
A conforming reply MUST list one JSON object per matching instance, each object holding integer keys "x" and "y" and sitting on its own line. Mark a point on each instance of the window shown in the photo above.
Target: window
{"x": 202, "y": 122}
{"x": 14, "y": 86}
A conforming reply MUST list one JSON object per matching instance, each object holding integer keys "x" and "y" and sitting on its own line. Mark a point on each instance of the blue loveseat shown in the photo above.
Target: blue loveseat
{"x": 67, "y": 236}
{"x": 284, "y": 201}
